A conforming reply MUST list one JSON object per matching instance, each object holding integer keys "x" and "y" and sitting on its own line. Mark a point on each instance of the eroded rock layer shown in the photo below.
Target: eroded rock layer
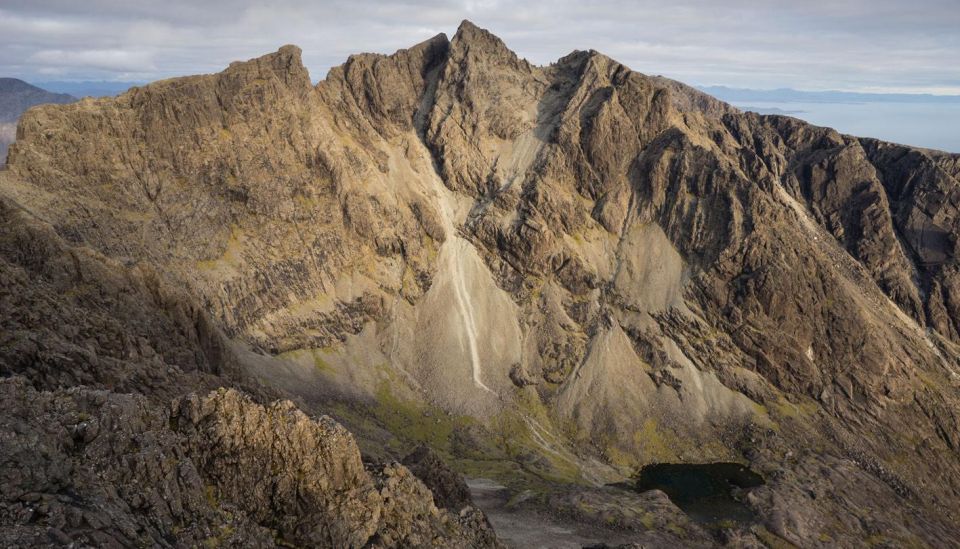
{"x": 560, "y": 273}
{"x": 106, "y": 444}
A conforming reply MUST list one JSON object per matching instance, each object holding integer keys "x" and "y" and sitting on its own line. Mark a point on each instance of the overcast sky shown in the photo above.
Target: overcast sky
{"x": 857, "y": 45}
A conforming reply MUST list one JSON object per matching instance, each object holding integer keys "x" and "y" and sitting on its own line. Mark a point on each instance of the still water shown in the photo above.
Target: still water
{"x": 929, "y": 125}
{"x": 709, "y": 493}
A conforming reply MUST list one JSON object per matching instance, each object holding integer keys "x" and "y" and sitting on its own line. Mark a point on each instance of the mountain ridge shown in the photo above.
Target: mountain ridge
{"x": 17, "y": 96}
{"x": 634, "y": 271}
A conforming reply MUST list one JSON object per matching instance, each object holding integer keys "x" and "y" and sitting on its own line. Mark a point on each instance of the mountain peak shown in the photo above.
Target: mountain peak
{"x": 577, "y": 265}
{"x": 471, "y": 41}
{"x": 473, "y": 37}
{"x": 290, "y": 49}
{"x": 285, "y": 63}
{"x": 467, "y": 26}
{"x": 16, "y": 85}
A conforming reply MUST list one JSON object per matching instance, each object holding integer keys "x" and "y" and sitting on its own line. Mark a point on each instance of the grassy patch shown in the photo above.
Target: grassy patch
{"x": 226, "y": 532}
{"x": 771, "y": 540}
{"x": 676, "y": 529}
{"x": 415, "y": 422}
{"x": 231, "y": 255}
{"x": 505, "y": 449}
{"x": 210, "y": 493}
{"x": 309, "y": 356}
{"x": 804, "y": 409}
{"x": 652, "y": 443}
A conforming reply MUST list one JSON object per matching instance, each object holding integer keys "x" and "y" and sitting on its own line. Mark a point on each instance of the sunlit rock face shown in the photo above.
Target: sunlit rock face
{"x": 553, "y": 275}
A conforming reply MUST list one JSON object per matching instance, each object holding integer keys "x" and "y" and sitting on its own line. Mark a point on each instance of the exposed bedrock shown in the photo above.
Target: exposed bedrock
{"x": 552, "y": 275}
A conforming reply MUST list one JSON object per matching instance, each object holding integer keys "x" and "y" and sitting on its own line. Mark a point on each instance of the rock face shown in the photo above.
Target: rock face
{"x": 590, "y": 268}
{"x": 104, "y": 444}
{"x": 16, "y": 96}
{"x": 105, "y": 469}
{"x": 448, "y": 487}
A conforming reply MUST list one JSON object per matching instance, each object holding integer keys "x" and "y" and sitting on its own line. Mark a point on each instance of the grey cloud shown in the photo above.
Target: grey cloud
{"x": 843, "y": 44}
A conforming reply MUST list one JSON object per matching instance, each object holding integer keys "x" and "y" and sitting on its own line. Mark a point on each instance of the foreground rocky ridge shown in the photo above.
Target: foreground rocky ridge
{"x": 105, "y": 469}
{"x": 598, "y": 269}
{"x": 105, "y": 444}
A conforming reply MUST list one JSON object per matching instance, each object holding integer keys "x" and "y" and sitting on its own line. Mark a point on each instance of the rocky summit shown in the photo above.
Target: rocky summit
{"x": 446, "y": 297}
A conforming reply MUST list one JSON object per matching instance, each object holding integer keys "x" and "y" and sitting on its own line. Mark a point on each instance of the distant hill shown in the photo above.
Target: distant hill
{"x": 16, "y": 96}
{"x": 100, "y": 88}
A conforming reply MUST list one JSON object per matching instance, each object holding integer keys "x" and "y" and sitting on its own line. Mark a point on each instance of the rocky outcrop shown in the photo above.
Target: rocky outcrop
{"x": 448, "y": 487}
{"x": 100, "y": 449}
{"x": 100, "y": 468}
{"x": 104, "y": 469}
{"x": 601, "y": 268}
{"x": 73, "y": 317}
{"x": 8, "y": 133}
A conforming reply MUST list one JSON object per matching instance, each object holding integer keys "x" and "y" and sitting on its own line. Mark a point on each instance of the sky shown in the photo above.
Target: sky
{"x": 851, "y": 45}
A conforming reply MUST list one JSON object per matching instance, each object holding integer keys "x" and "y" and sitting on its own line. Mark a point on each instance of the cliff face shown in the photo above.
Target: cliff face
{"x": 593, "y": 268}
{"x": 106, "y": 442}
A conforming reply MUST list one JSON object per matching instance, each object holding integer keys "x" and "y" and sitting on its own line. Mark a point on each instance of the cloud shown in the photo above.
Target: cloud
{"x": 113, "y": 60}
{"x": 841, "y": 44}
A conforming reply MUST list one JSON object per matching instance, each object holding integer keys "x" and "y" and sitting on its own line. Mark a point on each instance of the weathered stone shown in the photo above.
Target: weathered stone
{"x": 682, "y": 281}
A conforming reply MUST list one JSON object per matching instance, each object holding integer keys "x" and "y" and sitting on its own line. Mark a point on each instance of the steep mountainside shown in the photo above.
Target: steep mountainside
{"x": 551, "y": 275}
{"x": 165, "y": 467}
{"x": 17, "y": 96}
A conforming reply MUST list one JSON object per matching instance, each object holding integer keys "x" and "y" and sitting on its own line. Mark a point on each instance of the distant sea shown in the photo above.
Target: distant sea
{"x": 933, "y": 125}
{"x": 87, "y": 88}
